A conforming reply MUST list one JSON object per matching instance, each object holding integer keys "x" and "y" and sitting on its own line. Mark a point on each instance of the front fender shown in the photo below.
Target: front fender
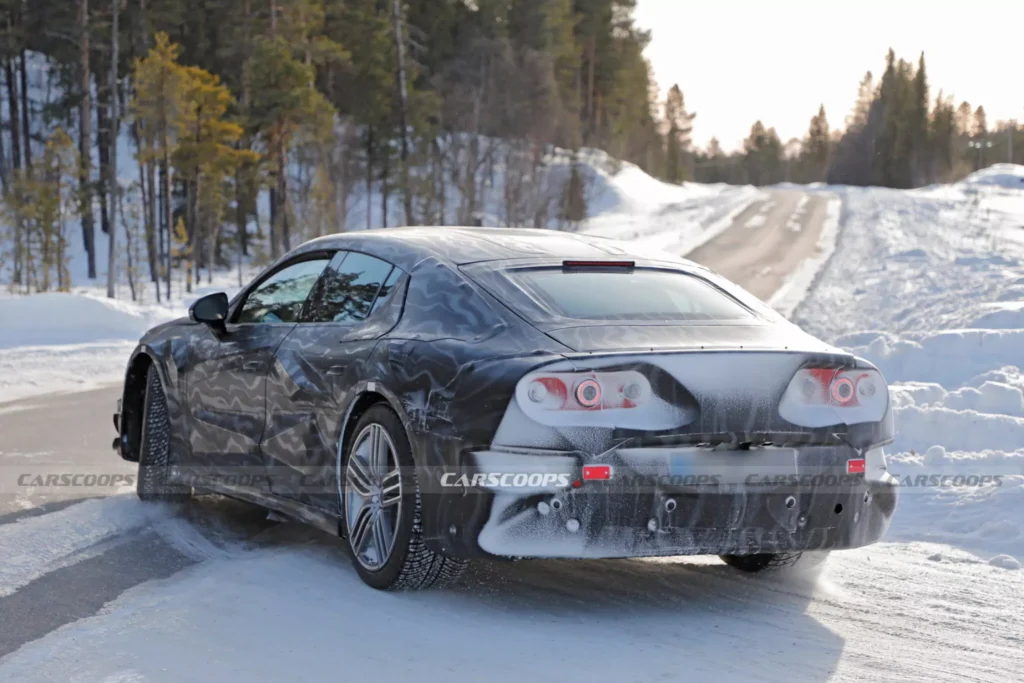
{"x": 169, "y": 357}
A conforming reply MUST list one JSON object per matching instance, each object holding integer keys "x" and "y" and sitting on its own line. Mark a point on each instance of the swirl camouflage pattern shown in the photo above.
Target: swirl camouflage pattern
{"x": 439, "y": 394}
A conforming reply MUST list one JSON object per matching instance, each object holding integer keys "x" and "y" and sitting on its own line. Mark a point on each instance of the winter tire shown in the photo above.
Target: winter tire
{"x": 775, "y": 562}
{"x": 380, "y": 502}
{"x": 155, "y": 447}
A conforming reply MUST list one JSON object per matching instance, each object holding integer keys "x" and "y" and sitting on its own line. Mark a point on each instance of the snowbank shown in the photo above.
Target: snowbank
{"x": 60, "y": 318}
{"x": 64, "y": 342}
{"x": 627, "y": 204}
{"x": 929, "y": 286}
{"x": 1010, "y": 176}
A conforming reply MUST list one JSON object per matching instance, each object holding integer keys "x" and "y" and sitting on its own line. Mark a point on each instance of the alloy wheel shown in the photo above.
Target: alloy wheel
{"x": 373, "y": 496}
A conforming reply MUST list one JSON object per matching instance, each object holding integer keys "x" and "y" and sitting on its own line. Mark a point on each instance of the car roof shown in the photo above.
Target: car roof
{"x": 463, "y": 245}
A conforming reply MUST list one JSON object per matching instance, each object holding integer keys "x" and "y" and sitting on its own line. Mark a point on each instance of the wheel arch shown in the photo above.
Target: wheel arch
{"x": 133, "y": 397}
{"x": 368, "y": 395}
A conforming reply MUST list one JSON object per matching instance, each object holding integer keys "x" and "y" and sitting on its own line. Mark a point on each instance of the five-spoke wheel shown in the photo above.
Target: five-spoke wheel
{"x": 373, "y": 501}
{"x": 380, "y": 501}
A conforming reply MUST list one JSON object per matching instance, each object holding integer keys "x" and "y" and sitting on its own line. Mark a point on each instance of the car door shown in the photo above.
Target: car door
{"x": 317, "y": 369}
{"x": 226, "y": 380}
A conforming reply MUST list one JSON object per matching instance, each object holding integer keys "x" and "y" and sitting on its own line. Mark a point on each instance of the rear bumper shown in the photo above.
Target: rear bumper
{"x": 665, "y": 501}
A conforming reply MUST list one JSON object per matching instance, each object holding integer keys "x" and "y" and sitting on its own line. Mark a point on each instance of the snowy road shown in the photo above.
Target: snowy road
{"x": 768, "y": 241}
{"x": 114, "y": 590}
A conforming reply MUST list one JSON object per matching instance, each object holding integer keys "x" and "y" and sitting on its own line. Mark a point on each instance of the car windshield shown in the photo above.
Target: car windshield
{"x": 642, "y": 294}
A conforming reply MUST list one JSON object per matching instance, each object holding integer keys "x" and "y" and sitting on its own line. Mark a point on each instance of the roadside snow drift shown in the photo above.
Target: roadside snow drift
{"x": 63, "y": 342}
{"x": 929, "y": 285}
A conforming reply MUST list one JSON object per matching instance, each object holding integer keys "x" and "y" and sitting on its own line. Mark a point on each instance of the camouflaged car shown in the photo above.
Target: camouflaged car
{"x": 438, "y": 394}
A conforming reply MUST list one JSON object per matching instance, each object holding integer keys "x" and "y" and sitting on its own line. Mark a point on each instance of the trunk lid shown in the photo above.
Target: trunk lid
{"x": 759, "y": 336}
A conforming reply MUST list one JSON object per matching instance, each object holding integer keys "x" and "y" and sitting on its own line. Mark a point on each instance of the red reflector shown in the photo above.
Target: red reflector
{"x": 855, "y": 466}
{"x": 598, "y": 264}
{"x": 597, "y": 472}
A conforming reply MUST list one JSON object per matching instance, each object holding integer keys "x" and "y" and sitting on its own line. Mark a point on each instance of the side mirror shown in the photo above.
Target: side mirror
{"x": 211, "y": 310}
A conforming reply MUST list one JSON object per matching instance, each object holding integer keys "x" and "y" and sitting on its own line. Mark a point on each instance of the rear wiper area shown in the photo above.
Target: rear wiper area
{"x": 730, "y": 440}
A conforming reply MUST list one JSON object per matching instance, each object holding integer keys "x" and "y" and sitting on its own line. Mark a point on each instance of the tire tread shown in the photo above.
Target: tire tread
{"x": 155, "y": 448}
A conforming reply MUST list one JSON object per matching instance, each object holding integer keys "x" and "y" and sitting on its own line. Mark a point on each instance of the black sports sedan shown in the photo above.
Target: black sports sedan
{"x": 438, "y": 394}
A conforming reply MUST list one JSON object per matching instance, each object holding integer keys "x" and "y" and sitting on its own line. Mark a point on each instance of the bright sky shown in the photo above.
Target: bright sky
{"x": 742, "y": 60}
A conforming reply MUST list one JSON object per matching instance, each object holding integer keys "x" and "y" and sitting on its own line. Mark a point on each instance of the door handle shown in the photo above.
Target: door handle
{"x": 253, "y": 365}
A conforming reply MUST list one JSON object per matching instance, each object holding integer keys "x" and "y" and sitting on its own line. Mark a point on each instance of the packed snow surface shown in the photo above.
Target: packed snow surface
{"x": 288, "y": 607}
{"x": 927, "y": 284}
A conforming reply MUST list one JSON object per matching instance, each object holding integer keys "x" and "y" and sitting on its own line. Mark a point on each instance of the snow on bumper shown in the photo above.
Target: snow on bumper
{"x": 678, "y": 501}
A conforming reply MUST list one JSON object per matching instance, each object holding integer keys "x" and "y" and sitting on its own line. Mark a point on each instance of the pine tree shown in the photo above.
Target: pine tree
{"x": 763, "y": 155}
{"x": 678, "y": 140}
{"x": 285, "y": 106}
{"x": 942, "y": 136}
{"x": 818, "y": 147}
{"x": 206, "y": 157}
{"x": 159, "y": 107}
{"x": 920, "y": 156}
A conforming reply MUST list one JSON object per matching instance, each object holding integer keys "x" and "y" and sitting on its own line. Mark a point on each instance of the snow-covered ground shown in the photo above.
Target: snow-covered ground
{"x": 64, "y": 342}
{"x": 286, "y": 606}
{"x": 928, "y": 284}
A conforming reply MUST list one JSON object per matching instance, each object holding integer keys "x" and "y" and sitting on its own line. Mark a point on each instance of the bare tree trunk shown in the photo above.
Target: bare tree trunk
{"x": 19, "y": 241}
{"x": 282, "y": 185}
{"x": 103, "y": 147}
{"x": 241, "y": 176}
{"x": 85, "y": 137}
{"x": 147, "y": 215}
{"x": 198, "y": 236}
{"x": 272, "y": 228}
{"x": 369, "y": 177}
{"x": 403, "y": 113}
{"x": 114, "y": 120}
{"x": 592, "y": 58}
{"x": 26, "y": 129}
{"x": 129, "y": 244}
{"x": 165, "y": 192}
{"x": 385, "y": 167}
{"x": 12, "y": 103}
{"x": 3, "y": 161}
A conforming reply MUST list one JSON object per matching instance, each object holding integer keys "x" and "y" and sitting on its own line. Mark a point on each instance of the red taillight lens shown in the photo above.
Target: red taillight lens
{"x": 817, "y": 397}
{"x": 823, "y": 386}
{"x": 597, "y": 472}
{"x": 588, "y": 393}
{"x": 843, "y": 391}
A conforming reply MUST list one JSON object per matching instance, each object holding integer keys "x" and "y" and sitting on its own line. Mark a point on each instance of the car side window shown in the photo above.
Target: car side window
{"x": 388, "y": 290}
{"x": 280, "y": 298}
{"x": 348, "y": 289}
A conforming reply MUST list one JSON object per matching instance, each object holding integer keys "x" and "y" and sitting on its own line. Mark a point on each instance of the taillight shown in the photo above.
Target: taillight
{"x": 817, "y": 397}
{"x": 560, "y": 391}
{"x": 819, "y": 386}
{"x": 588, "y": 393}
{"x": 604, "y": 399}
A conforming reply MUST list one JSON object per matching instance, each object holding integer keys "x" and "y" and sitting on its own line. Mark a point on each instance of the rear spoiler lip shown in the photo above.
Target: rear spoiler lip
{"x": 840, "y": 359}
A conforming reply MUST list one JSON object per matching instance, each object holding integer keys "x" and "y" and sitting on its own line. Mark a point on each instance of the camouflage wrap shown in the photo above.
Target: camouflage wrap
{"x": 446, "y": 354}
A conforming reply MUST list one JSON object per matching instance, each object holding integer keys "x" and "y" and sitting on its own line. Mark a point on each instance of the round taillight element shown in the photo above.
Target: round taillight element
{"x": 843, "y": 391}
{"x": 588, "y": 393}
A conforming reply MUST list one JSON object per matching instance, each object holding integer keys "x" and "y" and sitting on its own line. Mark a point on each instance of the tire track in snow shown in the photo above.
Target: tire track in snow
{"x": 35, "y": 545}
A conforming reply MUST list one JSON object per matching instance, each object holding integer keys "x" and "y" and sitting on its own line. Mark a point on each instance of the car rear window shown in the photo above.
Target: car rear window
{"x": 641, "y": 294}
